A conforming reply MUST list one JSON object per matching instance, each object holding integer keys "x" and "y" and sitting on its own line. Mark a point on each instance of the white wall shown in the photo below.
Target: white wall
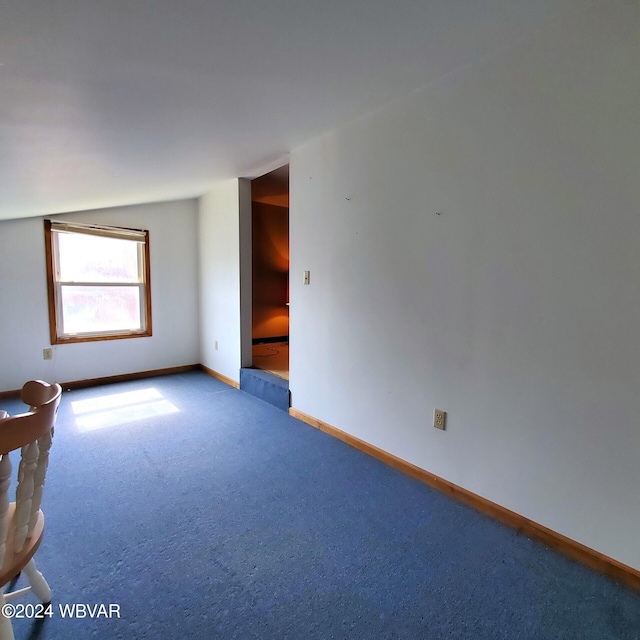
{"x": 517, "y": 310}
{"x": 219, "y": 254}
{"x": 24, "y": 320}
{"x": 246, "y": 278}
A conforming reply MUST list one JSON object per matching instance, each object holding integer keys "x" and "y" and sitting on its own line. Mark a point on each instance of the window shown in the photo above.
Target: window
{"x": 98, "y": 279}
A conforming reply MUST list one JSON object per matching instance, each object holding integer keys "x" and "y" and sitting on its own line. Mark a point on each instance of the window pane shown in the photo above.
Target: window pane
{"x": 85, "y": 258}
{"x": 100, "y": 309}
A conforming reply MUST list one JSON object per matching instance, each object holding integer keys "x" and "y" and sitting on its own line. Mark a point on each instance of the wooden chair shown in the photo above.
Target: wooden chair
{"x": 22, "y": 522}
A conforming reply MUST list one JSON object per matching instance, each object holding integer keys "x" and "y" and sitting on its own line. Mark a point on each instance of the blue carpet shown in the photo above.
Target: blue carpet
{"x": 216, "y": 515}
{"x": 266, "y": 386}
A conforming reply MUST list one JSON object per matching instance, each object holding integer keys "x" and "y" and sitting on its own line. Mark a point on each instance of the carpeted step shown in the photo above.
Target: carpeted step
{"x": 266, "y": 386}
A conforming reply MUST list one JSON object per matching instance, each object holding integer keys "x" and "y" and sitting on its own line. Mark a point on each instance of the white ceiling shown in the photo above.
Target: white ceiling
{"x": 110, "y": 102}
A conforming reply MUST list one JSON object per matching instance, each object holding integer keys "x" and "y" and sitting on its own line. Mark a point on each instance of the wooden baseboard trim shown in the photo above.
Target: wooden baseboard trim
{"x": 587, "y": 556}
{"x": 214, "y": 374}
{"x": 125, "y": 377}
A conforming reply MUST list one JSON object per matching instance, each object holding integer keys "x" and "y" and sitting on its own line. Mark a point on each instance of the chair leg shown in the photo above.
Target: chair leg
{"x": 38, "y": 583}
{"x": 6, "y": 629}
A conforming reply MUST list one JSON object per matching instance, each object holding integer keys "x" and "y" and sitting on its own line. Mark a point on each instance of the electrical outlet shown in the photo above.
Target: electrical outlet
{"x": 47, "y": 354}
{"x": 216, "y": 345}
{"x": 439, "y": 418}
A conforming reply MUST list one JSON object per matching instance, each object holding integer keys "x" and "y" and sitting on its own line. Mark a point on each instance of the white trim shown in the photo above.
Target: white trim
{"x": 135, "y": 235}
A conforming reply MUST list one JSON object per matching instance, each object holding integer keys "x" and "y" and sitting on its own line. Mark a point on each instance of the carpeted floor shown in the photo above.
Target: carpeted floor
{"x": 213, "y": 515}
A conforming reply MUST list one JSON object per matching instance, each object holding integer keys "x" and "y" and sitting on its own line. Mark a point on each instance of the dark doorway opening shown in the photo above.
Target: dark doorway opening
{"x": 270, "y": 272}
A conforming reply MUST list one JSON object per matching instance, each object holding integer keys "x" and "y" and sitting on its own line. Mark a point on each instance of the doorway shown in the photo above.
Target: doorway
{"x": 270, "y": 272}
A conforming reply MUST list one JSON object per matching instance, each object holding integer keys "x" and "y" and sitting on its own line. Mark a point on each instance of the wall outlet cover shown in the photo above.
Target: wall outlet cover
{"x": 439, "y": 418}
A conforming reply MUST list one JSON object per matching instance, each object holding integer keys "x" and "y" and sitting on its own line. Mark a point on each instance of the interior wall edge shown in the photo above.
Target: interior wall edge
{"x": 219, "y": 376}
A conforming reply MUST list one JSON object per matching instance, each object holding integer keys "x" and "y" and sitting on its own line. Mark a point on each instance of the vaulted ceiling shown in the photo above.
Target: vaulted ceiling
{"x": 111, "y": 102}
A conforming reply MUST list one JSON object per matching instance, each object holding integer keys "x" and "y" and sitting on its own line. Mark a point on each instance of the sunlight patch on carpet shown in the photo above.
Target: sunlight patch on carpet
{"x": 120, "y": 408}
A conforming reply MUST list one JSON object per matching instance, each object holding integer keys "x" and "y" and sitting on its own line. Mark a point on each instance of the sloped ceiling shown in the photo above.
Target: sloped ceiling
{"x": 110, "y": 102}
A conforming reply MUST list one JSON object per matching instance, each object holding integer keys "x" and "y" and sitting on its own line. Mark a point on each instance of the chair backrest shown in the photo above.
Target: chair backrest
{"x": 31, "y": 432}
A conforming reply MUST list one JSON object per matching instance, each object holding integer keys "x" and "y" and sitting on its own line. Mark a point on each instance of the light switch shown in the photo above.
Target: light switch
{"x": 307, "y": 275}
